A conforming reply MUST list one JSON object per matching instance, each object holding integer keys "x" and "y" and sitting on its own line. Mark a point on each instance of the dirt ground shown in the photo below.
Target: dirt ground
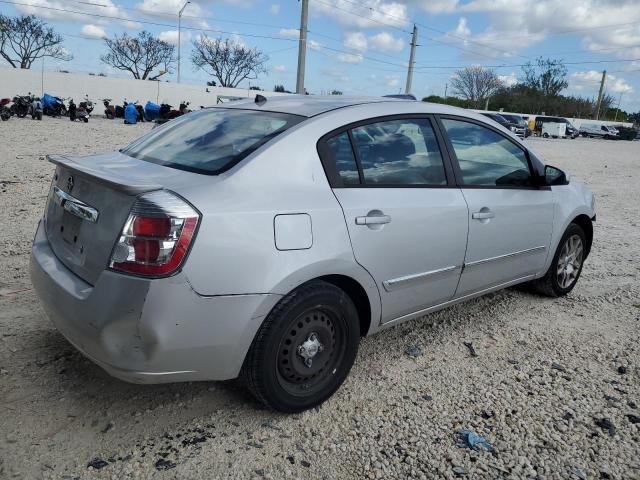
{"x": 555, "y": 387}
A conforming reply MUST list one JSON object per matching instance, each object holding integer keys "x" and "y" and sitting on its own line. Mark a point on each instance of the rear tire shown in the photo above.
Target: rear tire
{"x": 566, "y": 267}
{"x": 305, "y": 348}
{"x": 545, "y": 135}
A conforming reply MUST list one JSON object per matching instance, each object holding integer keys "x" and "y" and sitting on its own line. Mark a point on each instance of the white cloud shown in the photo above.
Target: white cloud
{"x": 462, "y": 30}
{"x": 435, "y": 7}
{"x": 93, "y": 31}
{"x": 55, "y": 11}
{"x": 335, "y": 74}
{"x": 279, "y": 69}
{"x": 289, "y": 33}
{"x": 589, "y": 83}
{"x": 385, "y": 42}
{"x": 191, "y": 14}
{"x": 381, "y": 42}
{"x": 171, "y": 36}
{"x": 392, "y": 80}
{"x": 363, "y": 14}
{"x": 349, "y": 57}
{"x": 313, "y": 45}
{"x": 274, "y": 9}
{"x": 356, "y": 41}
{"x": 509, "y": 80}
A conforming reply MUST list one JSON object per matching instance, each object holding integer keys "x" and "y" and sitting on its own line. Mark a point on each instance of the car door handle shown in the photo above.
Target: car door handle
{"x": 373, "y": 220}
{"x": 482, "y": 215}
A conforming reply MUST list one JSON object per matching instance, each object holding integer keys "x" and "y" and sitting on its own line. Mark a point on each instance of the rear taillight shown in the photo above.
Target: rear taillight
{"x": 156, "y": 237}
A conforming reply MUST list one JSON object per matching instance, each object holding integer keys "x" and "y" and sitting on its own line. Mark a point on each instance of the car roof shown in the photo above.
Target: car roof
{"x": 307, "y": 105}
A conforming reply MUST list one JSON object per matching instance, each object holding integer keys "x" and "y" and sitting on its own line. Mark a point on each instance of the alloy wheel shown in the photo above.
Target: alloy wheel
{"x": 569, "y": 261}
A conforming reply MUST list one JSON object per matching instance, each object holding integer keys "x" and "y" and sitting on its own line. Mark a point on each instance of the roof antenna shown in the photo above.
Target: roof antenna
{"x": 260, "y": 99}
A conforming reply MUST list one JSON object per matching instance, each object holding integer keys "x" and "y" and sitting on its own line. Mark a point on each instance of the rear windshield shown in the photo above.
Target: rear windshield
{"x": 210, "y": 141}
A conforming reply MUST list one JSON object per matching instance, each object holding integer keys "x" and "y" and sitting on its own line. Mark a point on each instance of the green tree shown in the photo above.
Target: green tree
{"x": 546, "y": 76}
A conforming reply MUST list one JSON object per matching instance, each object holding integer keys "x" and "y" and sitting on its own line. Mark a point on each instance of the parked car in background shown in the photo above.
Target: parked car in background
{"x": 598, "y": 130}
{"x": 570, "y": 130}
{"x": 517, "y": 128}
{"x": 264, "y": 239}
{"x": 518, "y": 120}
{"x": 627, "y": 133}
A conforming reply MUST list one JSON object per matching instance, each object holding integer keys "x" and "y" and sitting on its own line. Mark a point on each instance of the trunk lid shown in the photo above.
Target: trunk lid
{"x": 89, "y": 201}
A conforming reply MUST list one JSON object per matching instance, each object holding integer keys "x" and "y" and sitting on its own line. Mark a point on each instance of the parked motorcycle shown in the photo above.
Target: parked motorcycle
{"x": 78, "y": 112}
{"x": 109, "y": 110}
{"x": 21, "y": 105}
{"x": 5, "y": 110}
{"x": 86, "y": 104}
{"x": 167, "y": 112}
{"x": 36, "y": 109}
{"x": 53, "y": 106}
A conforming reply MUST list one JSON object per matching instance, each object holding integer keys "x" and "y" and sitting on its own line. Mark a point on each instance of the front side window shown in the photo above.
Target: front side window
{"x": 211, "y": 140}
{"x": 399, "y": 152}
{"x": 485, "y": 157}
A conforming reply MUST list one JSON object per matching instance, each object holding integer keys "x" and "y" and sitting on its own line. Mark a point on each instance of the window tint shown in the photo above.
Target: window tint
{"x": 486, "y": 157}
{"x": 399, "y": 152}
{"x": 210, "y": 140}
{"x": 340, "y": 148}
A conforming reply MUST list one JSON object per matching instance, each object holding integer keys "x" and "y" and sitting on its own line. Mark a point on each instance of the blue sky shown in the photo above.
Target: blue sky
{"x": 362, "y": 47}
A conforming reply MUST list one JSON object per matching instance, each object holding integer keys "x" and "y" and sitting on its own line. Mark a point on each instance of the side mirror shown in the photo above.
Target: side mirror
{"x": 555, "y": 176}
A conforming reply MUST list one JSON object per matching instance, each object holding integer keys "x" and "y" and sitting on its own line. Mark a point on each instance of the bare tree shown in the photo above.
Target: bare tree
{"x": 139, "y": 55}
{"x": 475, "y": 84}
{"x": 228, "y": 61}
{"x": 25, "y": 39}
{"x": 545, "y": 76}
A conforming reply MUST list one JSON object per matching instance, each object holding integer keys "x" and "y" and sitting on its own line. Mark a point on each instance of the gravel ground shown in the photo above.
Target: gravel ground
{"x": 554, "y": 387}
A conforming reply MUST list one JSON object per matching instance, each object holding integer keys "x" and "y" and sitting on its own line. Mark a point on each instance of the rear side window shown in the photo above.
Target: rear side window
{"x": 485, "y": 157}
{"x": 210, "y": 141}
{"x": 342, "y": 153}
{"x": 399, "y": 152}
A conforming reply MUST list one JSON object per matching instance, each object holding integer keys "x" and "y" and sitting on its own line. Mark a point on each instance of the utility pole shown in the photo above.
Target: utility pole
{"x": 446, "y": 85}
{"x": 604, "y": 77}
{"x": 618, "y": 109}
{"x": 302, "y": 47}
{"x": 412, "y": 55}
{"x": 179, "y": 25}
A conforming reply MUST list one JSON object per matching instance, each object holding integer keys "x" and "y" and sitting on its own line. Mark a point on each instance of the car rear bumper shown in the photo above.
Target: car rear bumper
{"x": 147, "y": 331}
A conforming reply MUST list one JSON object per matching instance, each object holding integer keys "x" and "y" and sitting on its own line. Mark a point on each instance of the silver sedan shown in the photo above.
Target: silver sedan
{"x": 264, "y": 238}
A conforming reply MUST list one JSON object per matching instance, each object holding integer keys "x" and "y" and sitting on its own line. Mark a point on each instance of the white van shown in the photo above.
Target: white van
{"x": 598, "y": 130}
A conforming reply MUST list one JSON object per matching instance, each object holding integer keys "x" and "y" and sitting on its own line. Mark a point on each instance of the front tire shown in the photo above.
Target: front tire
{"x": 305, "y": 348}
{"x": 566, "y": 266}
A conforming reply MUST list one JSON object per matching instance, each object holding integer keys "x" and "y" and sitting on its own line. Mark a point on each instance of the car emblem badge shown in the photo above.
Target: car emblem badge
{"x": 70, "y": 184}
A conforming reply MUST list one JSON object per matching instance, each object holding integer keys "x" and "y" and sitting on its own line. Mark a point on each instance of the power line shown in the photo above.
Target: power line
{"x": 174, "y": 15}
{"x": 146, "y": 22}
{"x": 525, "y": 64}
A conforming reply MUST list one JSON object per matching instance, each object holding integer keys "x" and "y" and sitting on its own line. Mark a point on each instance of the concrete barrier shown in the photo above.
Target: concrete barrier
{"x": 20, "y": 82}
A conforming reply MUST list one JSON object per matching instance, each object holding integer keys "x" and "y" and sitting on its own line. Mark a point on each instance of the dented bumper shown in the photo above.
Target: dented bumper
{"x": 147, "y": 331}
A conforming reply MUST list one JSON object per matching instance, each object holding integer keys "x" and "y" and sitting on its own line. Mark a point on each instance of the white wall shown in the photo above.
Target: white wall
{"x": 20, "y": 82}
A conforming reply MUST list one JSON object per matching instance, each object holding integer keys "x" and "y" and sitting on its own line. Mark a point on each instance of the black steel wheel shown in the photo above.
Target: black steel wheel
{"x": 304, "y": 349}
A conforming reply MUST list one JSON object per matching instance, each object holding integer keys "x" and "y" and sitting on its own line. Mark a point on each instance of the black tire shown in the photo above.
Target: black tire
{"x": 550, "y": 285}
{"x": 85, "y": 120}
{"x": 545, "y": 135}
{"x": 5, "y": 117}
{"x": 274, "y": 370}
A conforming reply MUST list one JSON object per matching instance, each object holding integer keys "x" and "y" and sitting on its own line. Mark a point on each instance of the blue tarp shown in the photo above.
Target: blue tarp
{"x": 151, "y": 111}
{"x": 130, "y": 114}
{"x": 49, "y": 100}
